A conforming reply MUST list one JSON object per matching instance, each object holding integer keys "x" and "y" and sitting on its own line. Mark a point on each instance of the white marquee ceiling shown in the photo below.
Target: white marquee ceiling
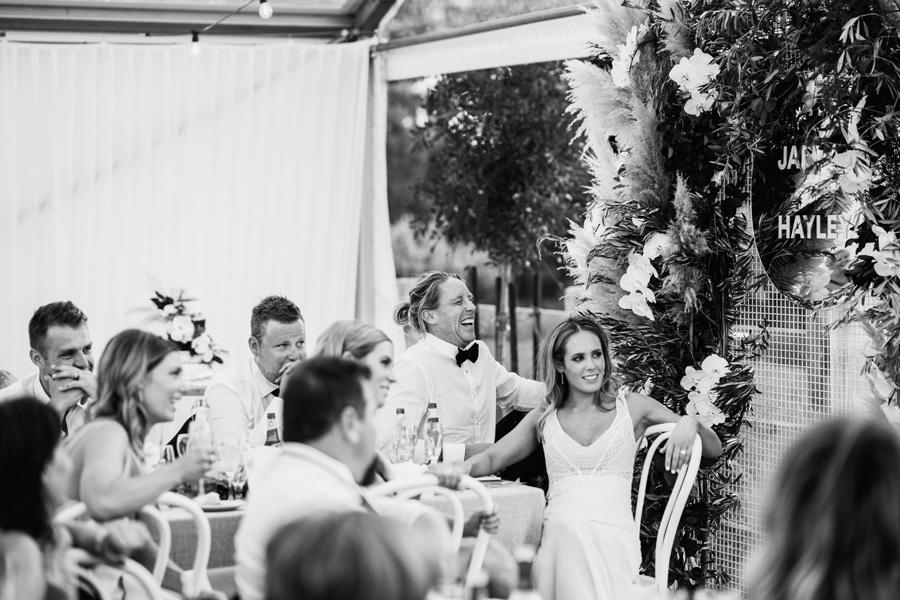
{"x": 301, "y": 18}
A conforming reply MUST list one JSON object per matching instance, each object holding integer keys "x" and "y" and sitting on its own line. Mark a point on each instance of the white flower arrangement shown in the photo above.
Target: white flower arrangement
{"x": 184, "y": 325}
{"x": 693, "y": 76}
{"x": 701, "y": 395}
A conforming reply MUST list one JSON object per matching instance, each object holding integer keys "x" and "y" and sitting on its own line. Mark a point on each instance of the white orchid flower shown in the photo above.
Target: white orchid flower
{"x": 703, "y": 407}
{"x": 700, "y": 102}
{"x": 636, "y": 302}
{"x": 181, "y": 329}
{"x": 691, "y": 378}
{"x": 714, "y": 365}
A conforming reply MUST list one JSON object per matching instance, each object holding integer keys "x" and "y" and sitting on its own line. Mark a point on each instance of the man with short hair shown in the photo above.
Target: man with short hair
{"x": 240, "y": 397}
{"x": 329, "y": 445}
{"x": 62, "y": 350}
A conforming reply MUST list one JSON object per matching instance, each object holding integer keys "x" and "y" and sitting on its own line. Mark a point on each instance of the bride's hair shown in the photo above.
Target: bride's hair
{"x": 832, "y": 520}
{"x": 552, "y": 355}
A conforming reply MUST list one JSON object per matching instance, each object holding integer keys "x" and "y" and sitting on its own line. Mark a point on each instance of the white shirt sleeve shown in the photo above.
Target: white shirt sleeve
{"x": 514, "y": 391}
{"x": 226, "y": 411}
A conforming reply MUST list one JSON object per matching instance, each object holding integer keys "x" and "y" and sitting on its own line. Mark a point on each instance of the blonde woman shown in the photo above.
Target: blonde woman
{"x": 364, "y": 343}
{"x": 139, "y": 382}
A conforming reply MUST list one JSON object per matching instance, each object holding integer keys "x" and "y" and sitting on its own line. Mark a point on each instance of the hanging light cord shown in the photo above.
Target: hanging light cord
{"x": 232, "y": 13}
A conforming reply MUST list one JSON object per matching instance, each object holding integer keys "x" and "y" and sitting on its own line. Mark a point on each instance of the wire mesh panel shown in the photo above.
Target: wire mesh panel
{"x": 807, "y": 375}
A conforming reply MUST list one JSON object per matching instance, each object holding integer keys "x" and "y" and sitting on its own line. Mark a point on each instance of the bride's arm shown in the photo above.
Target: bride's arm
{"x": 513, "y": 447}
{"x": 647, "y": 412}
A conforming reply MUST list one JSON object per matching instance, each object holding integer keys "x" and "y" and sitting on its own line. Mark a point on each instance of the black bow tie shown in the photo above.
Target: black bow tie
{"x": 276, "y": 392}
{"x": 463, "y": 355}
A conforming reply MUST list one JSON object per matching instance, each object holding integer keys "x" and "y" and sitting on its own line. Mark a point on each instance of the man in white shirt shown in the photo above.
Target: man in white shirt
{"x": 449, "y": 367}
{"x": 241, "y": 397}
{"x": 329, "y": 445}
{"x": 62, "y": 350}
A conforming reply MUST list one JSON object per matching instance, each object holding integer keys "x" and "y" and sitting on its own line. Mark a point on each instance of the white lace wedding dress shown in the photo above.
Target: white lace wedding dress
{"x": 589, "y": 547}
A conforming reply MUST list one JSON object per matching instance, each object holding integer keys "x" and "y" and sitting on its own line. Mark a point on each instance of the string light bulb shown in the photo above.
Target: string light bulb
{"x": 265, "y": 9}
{"x": 195, "y": 43}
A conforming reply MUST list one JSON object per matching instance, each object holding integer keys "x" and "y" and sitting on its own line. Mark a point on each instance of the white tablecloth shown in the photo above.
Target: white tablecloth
{"x": 521, "y": 510}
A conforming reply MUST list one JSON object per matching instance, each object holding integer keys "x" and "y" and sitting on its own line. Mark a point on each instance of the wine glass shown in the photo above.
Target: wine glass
{"x": 181, "y": 443}
{"x": 229, "y": 449}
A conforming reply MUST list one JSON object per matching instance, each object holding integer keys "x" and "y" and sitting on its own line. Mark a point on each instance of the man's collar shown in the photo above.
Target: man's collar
{"x": 445, "y": 348}
{"x": 263, "y": 385}
{"x": 308, "y": 453}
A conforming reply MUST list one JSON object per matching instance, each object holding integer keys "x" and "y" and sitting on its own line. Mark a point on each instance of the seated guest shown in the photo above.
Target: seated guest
{"x": 346, "y": 556}
{"x": 449, "y": 367}
{"x": 241, "y": 397}
{"x": 61, "y": 349}
{"x": 34, "y": 470}
{"x": 832, "y": 521}
{"x": 139, "y": 382}
{"x": 6, "y": 379}
{"x": 329, "y": 446}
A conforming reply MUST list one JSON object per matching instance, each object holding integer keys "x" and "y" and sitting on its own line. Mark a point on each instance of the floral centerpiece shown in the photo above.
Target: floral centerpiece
{"x": 181, "y": 315}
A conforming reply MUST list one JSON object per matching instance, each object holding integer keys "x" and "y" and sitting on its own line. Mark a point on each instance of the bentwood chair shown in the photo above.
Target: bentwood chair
{"x": 151, "y": 582}
{"x": 413, "y": 486}
{"x": 681, "y": 491}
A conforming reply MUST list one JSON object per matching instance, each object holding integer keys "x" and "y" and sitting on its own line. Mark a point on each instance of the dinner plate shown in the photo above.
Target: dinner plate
{"x": 224, "y": 505}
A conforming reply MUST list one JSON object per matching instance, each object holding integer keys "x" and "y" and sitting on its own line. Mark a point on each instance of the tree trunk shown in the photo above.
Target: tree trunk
{"x": 501, "y": 320}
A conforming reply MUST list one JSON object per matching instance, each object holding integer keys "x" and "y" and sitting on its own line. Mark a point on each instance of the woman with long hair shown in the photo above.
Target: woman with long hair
{"x": 34, "y": 469}
{"x": 139, "y": 381}
{"x": 365, "y": 343}
{"x": 588, "y": 429}
{"x": 832, "y": 521}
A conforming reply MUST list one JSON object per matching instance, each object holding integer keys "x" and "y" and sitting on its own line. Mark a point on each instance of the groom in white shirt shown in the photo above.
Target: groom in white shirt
{"x": 449, "y": 367}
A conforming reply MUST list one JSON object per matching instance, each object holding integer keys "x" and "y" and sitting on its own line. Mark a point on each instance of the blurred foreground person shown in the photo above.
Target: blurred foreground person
{"x": 832, "y": 521}
{"x": 35, "y": 469}
{"x": 347, "y": 556}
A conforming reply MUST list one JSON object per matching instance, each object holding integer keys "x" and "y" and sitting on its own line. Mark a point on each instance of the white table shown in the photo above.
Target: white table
{"x": 521, "y": 510}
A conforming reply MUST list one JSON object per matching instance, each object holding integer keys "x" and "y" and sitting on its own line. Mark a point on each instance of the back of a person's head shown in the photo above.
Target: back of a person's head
{"x": 349, "y": 339}
{"x": 832, "y": 520}
{"x": 272, "y": 308}
{"x": 317, "y": 391}
{"x": 346, "y": 556}
{"x": 29, "y": 434}
{"x": 64, "y": 314}
{"x": 127, "y": 359}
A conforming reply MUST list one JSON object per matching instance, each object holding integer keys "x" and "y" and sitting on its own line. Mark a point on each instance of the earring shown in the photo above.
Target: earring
{"x": 140, "y": 395}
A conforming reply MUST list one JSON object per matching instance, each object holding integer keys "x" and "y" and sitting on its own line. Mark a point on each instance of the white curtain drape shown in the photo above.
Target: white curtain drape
{"x": 237, "y": 172}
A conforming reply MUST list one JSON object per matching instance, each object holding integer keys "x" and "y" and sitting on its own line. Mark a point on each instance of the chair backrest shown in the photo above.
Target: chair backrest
{"x": 410, "y": 486}
{"x": 681, "y": 490}
{"x": 201, "y": 555}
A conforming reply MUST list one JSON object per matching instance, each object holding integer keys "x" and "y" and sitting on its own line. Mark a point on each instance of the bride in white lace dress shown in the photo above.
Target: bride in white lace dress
{"x": 589, "y": 547}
